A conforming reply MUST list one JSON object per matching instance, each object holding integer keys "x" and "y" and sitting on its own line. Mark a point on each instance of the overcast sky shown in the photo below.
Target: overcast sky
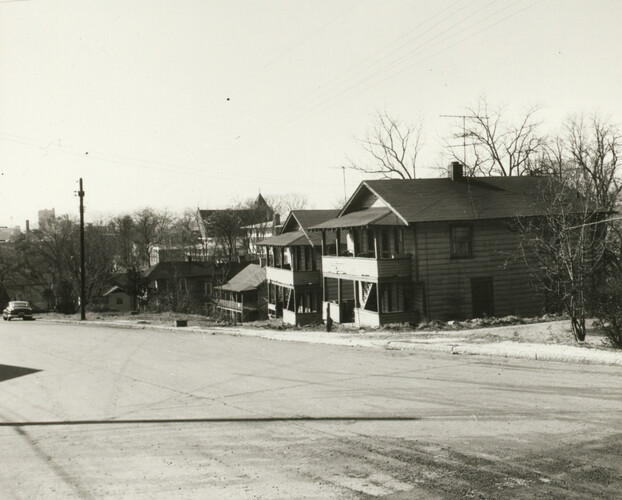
{"x": 184, "y": 103}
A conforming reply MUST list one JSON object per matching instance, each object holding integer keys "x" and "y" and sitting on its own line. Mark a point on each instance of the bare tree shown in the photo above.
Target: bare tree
{"x": 123, "y": 227}
{"x": 393, "y": 146}
{"x": 586, "y": 155}
{"x": 150, "y": 228}
{"x": 49, "y": 259}
{"x": 497, "y": 146}
{"x": 593, "y": 145}
{"x": 285, "y": 203}
{"x": 225, "y": 228}
{"x": 564, "y": 249}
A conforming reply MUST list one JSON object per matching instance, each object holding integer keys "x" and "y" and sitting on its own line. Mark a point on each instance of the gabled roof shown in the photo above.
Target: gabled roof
{"x": 434, "y": 200}
{"x": 308, "y": 218}
{"x": 302, "y": 220}
{"x": 249, "y": 278}
{"x": 114, "y": 289}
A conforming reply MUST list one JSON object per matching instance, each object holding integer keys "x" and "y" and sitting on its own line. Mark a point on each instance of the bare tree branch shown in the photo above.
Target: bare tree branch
{"x": 393, "y": 147}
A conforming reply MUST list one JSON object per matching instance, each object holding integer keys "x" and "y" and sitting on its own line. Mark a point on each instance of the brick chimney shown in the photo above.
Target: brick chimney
{"x": 27, "y": 226}
{"x": 454, "y": 171}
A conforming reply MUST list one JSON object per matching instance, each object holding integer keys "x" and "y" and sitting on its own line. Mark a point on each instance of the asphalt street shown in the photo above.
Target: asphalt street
{"x": 92, "y": 412}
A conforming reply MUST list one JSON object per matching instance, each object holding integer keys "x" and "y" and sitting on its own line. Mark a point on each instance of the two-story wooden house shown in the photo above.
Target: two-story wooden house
{"x": 294, "y": 268}
{"x": 429, "y": 248}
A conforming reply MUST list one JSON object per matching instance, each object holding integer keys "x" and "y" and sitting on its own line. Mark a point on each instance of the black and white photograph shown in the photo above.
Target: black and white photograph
{"x": 311, "y": 249}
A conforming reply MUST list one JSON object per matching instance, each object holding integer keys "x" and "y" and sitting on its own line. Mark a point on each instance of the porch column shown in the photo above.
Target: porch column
{"x": 323, "y": 242}
{"x": 356, "y": 302}
{"x": 337, "y": 239}
{"x": 295, "y": 305}
{"x": 376, "y": 253}
{"x": 339, "y": 299}
{"x": 323, "y": 289}
{"x": 378, "y": 299}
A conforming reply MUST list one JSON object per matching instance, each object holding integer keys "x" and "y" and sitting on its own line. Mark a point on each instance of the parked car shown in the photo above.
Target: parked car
{"x": 17, "y": 309}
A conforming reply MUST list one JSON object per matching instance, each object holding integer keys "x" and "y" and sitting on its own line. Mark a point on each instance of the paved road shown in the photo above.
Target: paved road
{"x": 100, "y": 412}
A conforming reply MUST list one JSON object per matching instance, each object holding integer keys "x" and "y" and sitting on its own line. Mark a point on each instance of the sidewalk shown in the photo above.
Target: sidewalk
{"x": 457, "y": 342}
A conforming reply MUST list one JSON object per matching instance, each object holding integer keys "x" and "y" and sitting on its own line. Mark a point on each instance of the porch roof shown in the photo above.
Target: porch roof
{"x": 294, "y": 238}
{"x": 249, "y": 278}
{"x": 371, "y": 216}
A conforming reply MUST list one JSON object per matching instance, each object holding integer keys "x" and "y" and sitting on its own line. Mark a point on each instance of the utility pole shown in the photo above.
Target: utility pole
{"x": 82, "y": 270}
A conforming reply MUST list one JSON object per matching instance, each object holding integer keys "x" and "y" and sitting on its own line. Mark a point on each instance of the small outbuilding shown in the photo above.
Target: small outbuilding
{"x": 117, "y": 299}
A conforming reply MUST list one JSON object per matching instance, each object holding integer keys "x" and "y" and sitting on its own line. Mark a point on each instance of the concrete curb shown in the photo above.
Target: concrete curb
{"x": 505, "y": 349}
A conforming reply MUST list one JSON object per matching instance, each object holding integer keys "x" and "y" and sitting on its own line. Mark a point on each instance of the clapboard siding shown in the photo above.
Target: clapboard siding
{"x": 331, "y": 291}
{"x": 448, "y": 281}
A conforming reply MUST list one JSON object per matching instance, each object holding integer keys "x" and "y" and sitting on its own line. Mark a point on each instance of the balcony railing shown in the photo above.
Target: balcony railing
{"x": 365, "y": 267}
{"x": 292, "y": 278}
{"x": 236, "y": 306}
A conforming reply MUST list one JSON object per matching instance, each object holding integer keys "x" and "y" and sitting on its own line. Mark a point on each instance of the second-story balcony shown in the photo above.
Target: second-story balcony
{"x": 366, "y": 268}
{"x": 232, "y": 305}
{"x": 288, "y": 277}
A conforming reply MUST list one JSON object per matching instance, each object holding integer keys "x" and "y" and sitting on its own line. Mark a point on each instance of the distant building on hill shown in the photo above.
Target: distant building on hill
{"x": 8, "y": 233}
{"x": 46, "y": 217}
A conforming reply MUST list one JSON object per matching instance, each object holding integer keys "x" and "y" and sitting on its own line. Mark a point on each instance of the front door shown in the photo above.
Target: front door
{"x": 481, "y": 291}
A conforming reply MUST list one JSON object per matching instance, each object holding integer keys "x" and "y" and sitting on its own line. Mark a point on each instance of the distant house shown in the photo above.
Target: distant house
{"x": 294, "y": 268}
{"x": 229, "y": 234}
{"x": 168, "y": 281}
{"x": 257, "y": 232}
{"x": 172, "y": 253}
{"x": 243, "y": 297}
{"x": 117, "y": 299}
{"x": 429, "y": 248}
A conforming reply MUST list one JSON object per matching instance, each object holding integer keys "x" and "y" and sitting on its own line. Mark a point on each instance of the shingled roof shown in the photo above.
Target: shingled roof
{"x": 308, "y": 218}
{"x": 247, "y": 279}
{"x": 469, "y": 198}
{"x": 292, "y": 238}
{"x": 435, "y": 200}
{"x": 304, "y": 219}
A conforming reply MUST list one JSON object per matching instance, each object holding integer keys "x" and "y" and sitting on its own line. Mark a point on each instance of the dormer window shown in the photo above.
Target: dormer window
{"x": 461, "y": 241}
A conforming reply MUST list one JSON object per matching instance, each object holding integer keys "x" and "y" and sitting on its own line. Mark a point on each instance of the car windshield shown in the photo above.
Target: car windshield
{"x": 18, "y": 304}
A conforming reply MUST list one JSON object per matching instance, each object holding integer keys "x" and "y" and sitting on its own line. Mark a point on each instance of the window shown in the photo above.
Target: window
{"x": 308, "y": 258}
{"x": 119, "y": 301}
{"x": 461, "y": 241}
{"x": 386, "y": 252}
{"x": 398, "y": 240}
{"x": 371, "y": 251}
{"x": 298, "y": 253}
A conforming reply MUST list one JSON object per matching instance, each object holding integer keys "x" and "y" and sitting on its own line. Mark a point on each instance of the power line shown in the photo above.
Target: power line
{"x": 145, "y": 164}
{"x": 322, "y": 105}
{"x": 379, "y": 57}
